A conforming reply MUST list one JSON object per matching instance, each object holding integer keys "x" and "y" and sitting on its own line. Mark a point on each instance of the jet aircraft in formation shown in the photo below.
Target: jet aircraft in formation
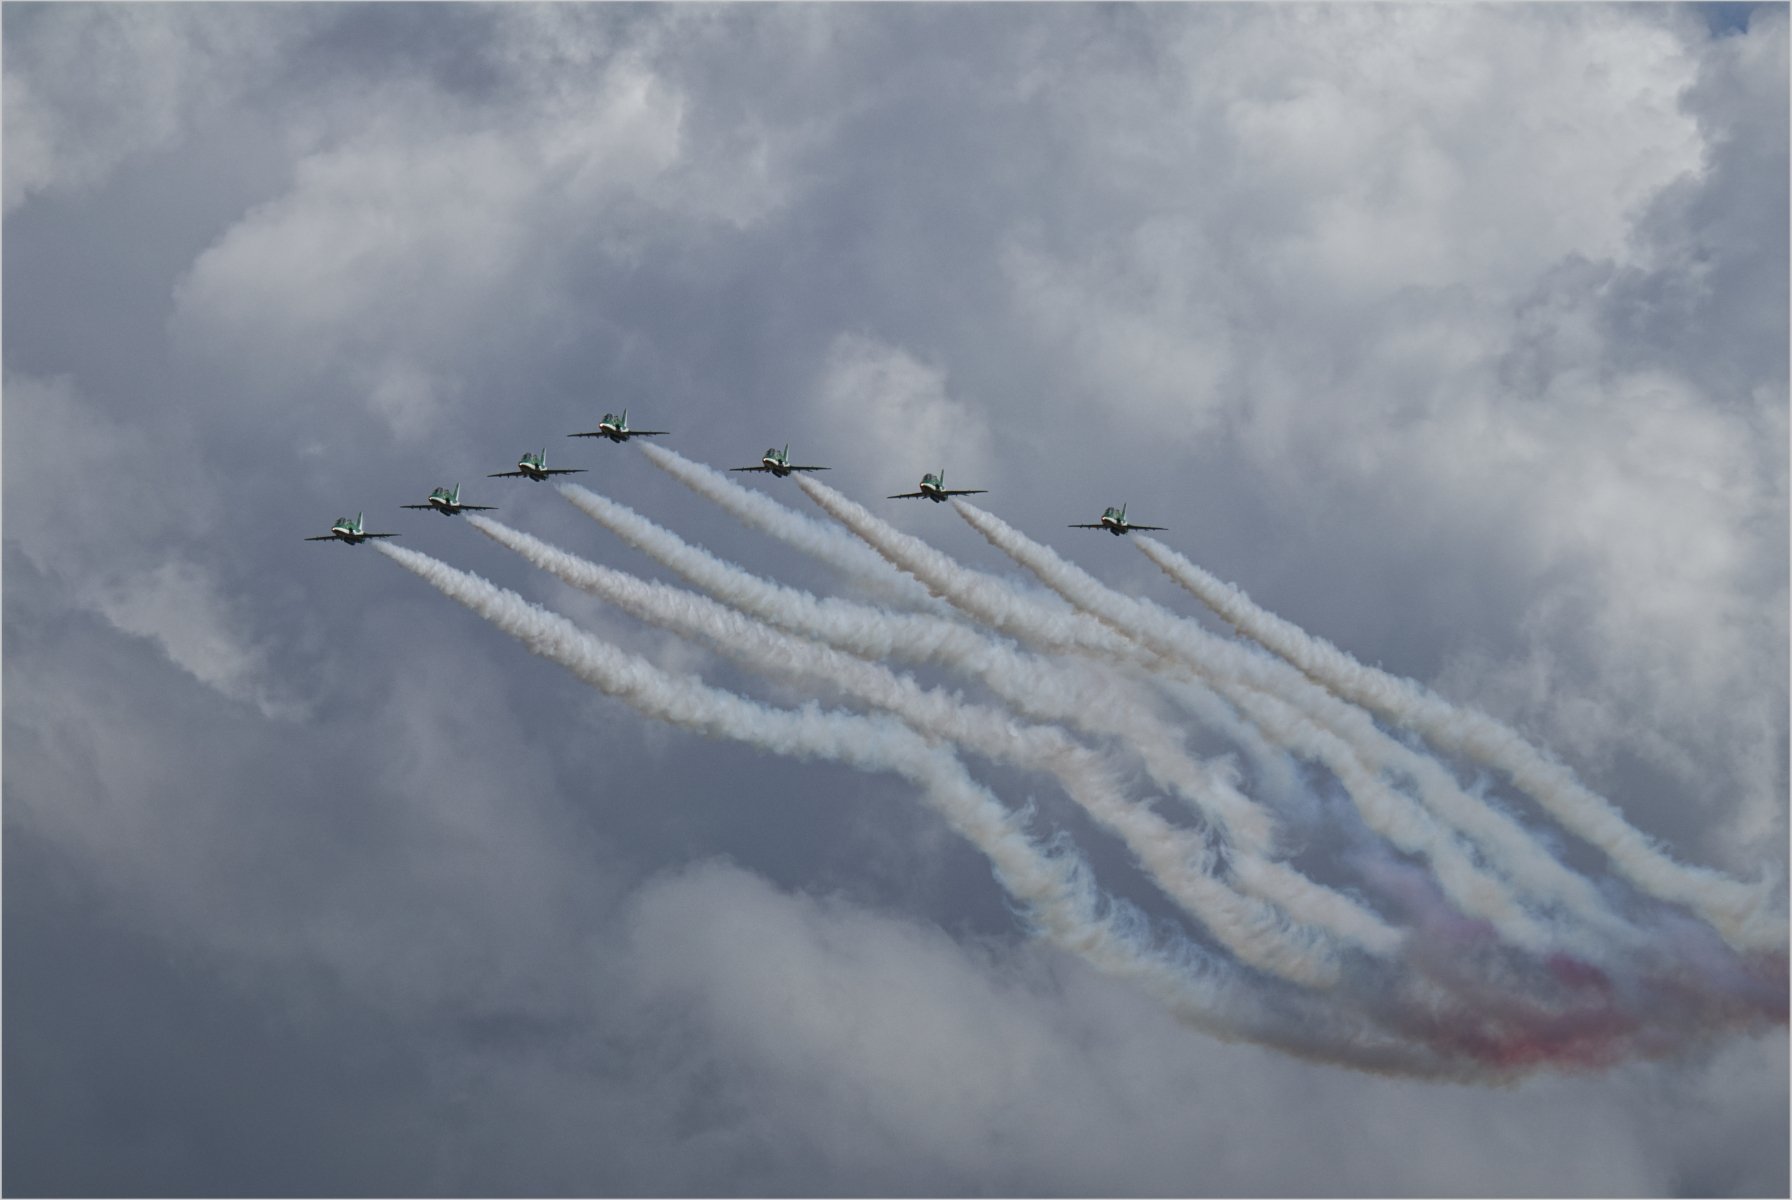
{"x": 933, "y": 487}
{"x": 448, "y": 503}
{"x": 616, "y": 429}
{"x": 1114, "y": 521}
{"x": 343, "y": 529}
{"x": 615, "y": 426}
{"x": 778, "y": 463}
{"x": 535, "y": 466}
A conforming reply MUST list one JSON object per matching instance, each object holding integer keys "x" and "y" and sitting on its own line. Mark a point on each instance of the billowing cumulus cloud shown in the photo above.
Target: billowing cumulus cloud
{"x": 884, "y": 1049}
{"x": 897, "y": 411}
{"x": 108, "y": 83}
{"x": 71, "y": 473}
{"x": 1455, "y": 335}
{"x": 375, "y": 270}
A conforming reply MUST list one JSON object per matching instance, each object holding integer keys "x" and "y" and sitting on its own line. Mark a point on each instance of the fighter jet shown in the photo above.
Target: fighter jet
{"x": 348, "y": 531}
{"x": 448, "y": 502}
{"x": 777, "y": 462}
{"x": 1114, "y": 521}
{"x": 933, "y": 487}
{"x": 535, "y": 466}
{"x": 616, "y": 429}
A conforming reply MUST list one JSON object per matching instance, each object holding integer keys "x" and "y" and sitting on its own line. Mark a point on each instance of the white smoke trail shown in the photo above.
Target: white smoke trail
{"x": 855, "y": 628}
{"x": 1226, "y": 667}
{"x": 994, "y": 601}
{"x": 1177, "y": 861}
{"x": 1493, "y": 1020}
{"x": 872, "y": 633}
{"x": 1395, "y": 816}
{"x": 1043, "y": 691}
{"x": 1347, "y": 744}
{"x": 1739, "y": 911}
{"x": 1062, "y": 903}
{"x": 1276, "y": 771}
{"x": 1582, "y": 1027}
{"x": 829, "y": 543}
{"x": 1001, "y": 604}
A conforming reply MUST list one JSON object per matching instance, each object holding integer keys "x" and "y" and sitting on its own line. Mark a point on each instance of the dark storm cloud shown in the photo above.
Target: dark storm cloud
{"x": 1457, "y": 335}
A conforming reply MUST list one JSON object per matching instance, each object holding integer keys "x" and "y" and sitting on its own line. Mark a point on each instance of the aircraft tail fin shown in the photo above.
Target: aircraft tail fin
{"x": 454, "y": 496}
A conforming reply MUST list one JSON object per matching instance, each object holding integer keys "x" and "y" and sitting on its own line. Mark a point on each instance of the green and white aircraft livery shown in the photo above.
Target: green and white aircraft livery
{"x": 1114, "y": 521}
{"x": 933, "y": 487}
{"x": 616, "y": 429}
{"x": 345, "y": 530}
{"x": 777, "y": 462}
{"x": 448, "y": 503}
{"x": 535, "y": 466}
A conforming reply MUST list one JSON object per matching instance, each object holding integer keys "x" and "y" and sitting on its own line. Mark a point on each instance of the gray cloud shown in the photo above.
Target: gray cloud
{"x": 1457, "y": 335}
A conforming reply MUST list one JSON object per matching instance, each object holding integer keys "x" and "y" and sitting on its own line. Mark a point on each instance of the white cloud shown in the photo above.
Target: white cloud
{"x": 179, "y": 607}
{"x": 375, "y": 270}
{"x": 1310, "y": 165}
{"x": 89, "y": 500}
{"x": 894, "y": 417}
{"x": 90, "y": 87}
{"x": 1425, "y": 147}
{"x": 54, "y": 435}
{"x": 1139, "y": 343}
{"x": 904, "y": 1061}
{"x": 424, "y": 238}
{"x": 1641, "y": 512}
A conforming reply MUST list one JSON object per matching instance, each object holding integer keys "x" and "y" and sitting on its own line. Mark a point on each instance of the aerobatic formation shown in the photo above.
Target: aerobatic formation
{"x": 1485, "y": 914}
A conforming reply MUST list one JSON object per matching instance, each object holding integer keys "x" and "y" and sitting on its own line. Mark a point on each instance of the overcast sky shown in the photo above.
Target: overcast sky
{"x": 1457, "y": 334}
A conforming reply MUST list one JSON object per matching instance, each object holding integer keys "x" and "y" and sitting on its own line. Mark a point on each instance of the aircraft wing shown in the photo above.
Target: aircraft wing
{"x": 1152, "y": 528}
{"x": 648, "y": 432}
{"x": 756, "y": 468}
{"x": 806, "y": 468}
{"x": 368, "y": 535}
{"x": 475, "y": 507}
{"x": 593, "y": 433}
{"x": 507, "y": 475}
{"x": 964, "y": 492}
{"x": 1097, "y": 525}
{"x": 422, "y": 506}
{"x": 909, "y": 496}
{"x": 328, "y": 537}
